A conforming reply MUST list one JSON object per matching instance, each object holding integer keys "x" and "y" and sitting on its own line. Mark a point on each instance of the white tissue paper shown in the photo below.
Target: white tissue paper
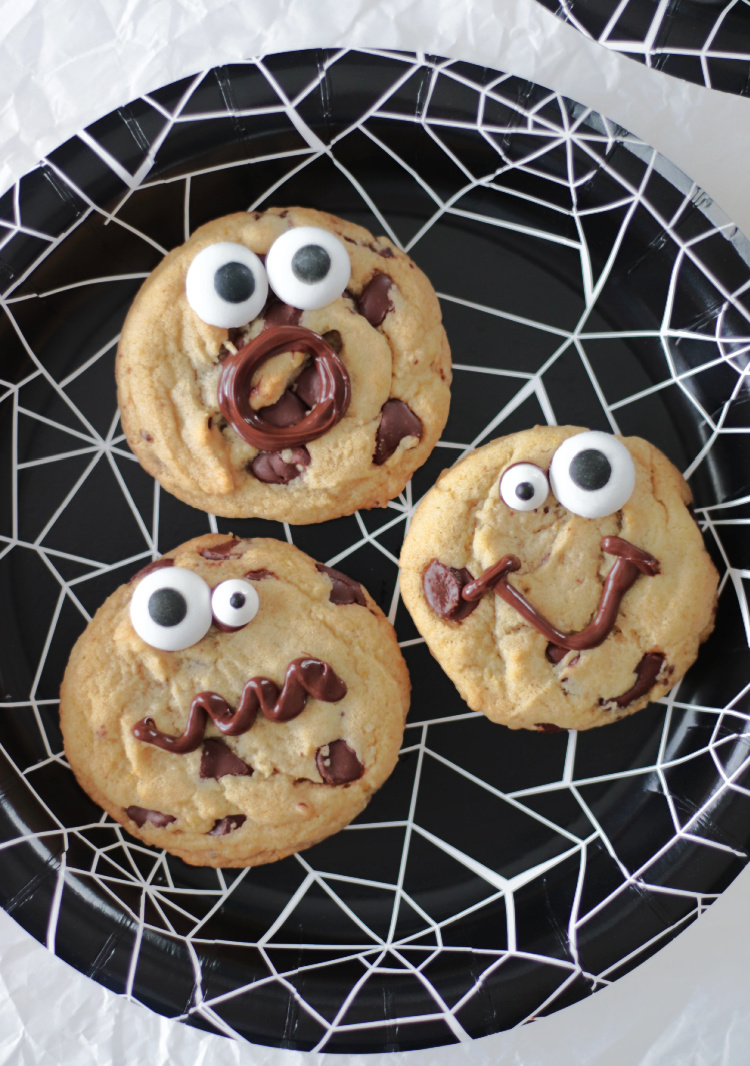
{"x": 64, "y": 65}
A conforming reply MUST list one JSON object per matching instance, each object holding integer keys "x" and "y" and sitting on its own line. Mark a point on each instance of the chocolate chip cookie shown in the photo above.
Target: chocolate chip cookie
{"x": 235, "y": 702}
{"x": 286, "y": 365}
{"x": 559, "y": 577}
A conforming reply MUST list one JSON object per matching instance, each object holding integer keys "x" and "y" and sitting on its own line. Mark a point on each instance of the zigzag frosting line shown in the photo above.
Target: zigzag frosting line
{"x": 304, "y": 677}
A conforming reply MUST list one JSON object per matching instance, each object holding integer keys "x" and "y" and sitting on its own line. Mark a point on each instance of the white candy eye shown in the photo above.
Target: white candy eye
{"x": 226, "y": 285}
{"x": 234, "y": 603}
{"x": 308, "y": 267}
{"x": 524, "y": 487}
{"x": 171, "y": 608}
{"x": 592, "y": 474}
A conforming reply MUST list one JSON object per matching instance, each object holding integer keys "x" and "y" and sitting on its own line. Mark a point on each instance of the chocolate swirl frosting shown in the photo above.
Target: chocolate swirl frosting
{"x": 334, "y": 389}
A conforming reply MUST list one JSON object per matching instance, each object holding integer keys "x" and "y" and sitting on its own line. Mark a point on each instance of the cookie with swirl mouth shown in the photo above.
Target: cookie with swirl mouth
{"x": 234, "y": 702}
{"x": 559, "y": 578}
{"x": 286, "y": 365}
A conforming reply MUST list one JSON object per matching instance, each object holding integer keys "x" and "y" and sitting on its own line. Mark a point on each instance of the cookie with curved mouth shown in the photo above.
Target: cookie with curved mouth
{"x": 285, "y": 364}
{"x": 235, "y": 702}
{"x": 559, "y": 577}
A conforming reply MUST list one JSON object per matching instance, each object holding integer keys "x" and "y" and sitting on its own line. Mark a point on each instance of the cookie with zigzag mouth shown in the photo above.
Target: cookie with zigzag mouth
{"x": 234, "y": 702}
{"x": 559, "y": 577}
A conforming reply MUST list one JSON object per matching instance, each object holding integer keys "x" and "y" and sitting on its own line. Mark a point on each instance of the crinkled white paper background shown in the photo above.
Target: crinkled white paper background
{"x": 62, "y": 65}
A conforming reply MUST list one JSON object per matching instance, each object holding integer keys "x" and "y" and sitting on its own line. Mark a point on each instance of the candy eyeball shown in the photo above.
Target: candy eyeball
{"x": 234, "y": 604}
{"x": 524, "y": 487}
{"x": 592, "y": 474}
{"x": 226, "y": 285}
{"x": 171, "y": 608}
{"x": 308, "y": 267}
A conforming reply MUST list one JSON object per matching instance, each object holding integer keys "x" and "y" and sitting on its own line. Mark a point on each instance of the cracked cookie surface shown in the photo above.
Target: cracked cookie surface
{"x": 278, "y": 785}
{"x": 562, "y": 570}
{"x": 386, "y": 331}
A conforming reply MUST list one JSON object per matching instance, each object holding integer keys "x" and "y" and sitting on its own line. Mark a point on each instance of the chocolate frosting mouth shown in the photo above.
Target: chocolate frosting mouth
{"x": 334, "y": 389}
{"x": 630, "y": 562}
{"x": 304, "y": 677}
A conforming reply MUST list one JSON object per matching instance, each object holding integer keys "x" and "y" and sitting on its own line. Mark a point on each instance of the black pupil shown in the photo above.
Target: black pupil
{"x": 234, "y": 282}
{"x": 311, "y": 263}
{"x": 167, "y": 607}
{"x": 525, "y": 490}
{"x": 237, "y": 600}
{"x": 590, "y": 470}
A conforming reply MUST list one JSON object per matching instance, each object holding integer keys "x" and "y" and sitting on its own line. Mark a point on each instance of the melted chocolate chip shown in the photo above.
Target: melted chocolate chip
{"x": 442, "y": 588}
{"x": 142, "y": 815}
{"x": 308, "y": 386}
{"x": 287, "y": 411}
{"x": 147, "y": 436}
{"x": 344, "y": 590}
{"x": 280, "y": 314}
{"x": 338, "y": 763}
{"x": 555, "y": 654}
{"x": 270, "y": 468}
{"x": 547, "y": 727}
{"x": 646, "y": 672}
{"x": 218, "y": 760}
{"x": 259, "y": 575}
{"x": 225, "y": 550}
{"x": 387, "y": 253}
{"x": 157, "y": 564}
{"x": 334, "y": 340}
{"x": 235, "y": 334}
{"x": 374, "y": 301}
{"x": 227, "y": 825}
{"x": 397, "y": 420}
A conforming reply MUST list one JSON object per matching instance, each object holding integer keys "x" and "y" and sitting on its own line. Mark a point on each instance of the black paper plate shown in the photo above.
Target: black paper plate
{"x": 703, "y": 41}
{"x": 497, "y": 876}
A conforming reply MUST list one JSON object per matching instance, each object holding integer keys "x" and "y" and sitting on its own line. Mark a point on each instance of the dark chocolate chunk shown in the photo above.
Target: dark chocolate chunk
{"x": 374, "y": 301}
{"x": 225, "y": 550}
{"x": 547, "y": 727}
{"x": 227, "y": 825}
{"x": 345, "y": 590}
{"x": 555, "y": 654}
{"x": 287, "y": 411}
{"x": 142, "y": 815}
{"x": 273, "y": 470}
{"x": 308, "y": 387}
{"x": 218, "y": 760}
{"x": 259, "y": 575}
{"x": 442, "y": 588}
{"x": 280, "y": 314}
{"x": 397, "y": 420}
{"x": 157, "y": 564}
{"x": 387, "y": 253}
{"x": 334, "y": 340}
{"x": 338, "y": 763}
{"x": 646, "y": 672}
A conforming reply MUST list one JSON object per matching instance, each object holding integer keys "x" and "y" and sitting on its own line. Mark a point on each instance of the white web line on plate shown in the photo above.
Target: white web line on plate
{"x": 646, "y": 45}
